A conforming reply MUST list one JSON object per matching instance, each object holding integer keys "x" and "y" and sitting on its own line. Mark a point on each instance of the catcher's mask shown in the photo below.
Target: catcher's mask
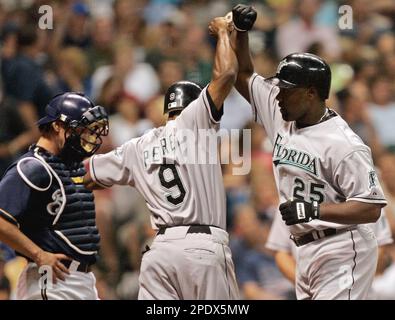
{"x": 84, "y": 123}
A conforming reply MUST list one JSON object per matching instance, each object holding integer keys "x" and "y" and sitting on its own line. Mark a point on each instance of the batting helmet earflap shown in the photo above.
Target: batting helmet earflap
{"x": 303, "y": 70}
{"x": 180, "y": 95}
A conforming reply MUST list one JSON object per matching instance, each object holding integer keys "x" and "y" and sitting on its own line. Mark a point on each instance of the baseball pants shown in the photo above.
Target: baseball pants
{"x": 188, "y": 266}
{"x": 77, "y": 286}
{"x": 339, "y": 267}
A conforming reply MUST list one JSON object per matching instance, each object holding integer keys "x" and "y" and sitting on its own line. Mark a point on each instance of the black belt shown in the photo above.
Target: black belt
{"x": 82, "y": 267}
{"x": 316, "y": 235}
{"x": 191, "y": 229}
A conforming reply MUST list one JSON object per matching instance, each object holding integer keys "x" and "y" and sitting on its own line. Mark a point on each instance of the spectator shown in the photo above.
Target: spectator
{"x": 382, "y": 111}
{"x": 297, "y": 35}
{"x": 24, "y": 81}
{"x": 355, "y": 111}
{"x": 100, "y": 53}
{"x": 139, "y": 79}
{"x": 77, "y": 29}
{"x": 196, "y": 56}
{"x": 255, "y": 267}
{"x": 11, "y": 126}
{"x": 165, "y": 42}
{"x": 126, "y": 123}
{"x": 72, "y": 69}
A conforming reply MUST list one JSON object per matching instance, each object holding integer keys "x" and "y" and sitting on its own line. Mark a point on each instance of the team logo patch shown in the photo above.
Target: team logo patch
{"x": 300, "y": 210}
{"x": 372, "y": 179}
{"x": 118, "y": 152}
{"x": 54, "y": 207}
{"x": 284, "y": 155}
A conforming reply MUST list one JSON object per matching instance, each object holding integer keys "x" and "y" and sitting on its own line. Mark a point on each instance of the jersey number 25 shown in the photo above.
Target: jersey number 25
{"x": 315, "y": 191}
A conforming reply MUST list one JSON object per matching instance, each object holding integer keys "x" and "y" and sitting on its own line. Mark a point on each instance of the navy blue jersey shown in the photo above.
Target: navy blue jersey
{"x": 46, "y": 199}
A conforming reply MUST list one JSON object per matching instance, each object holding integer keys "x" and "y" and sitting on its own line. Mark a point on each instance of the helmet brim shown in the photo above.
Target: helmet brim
{"x": 45, "y": 120}
{"x": 275, "y": 81}
{"x": 173, "y": 109}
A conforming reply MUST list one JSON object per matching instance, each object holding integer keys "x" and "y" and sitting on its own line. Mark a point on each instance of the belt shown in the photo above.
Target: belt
{"x": 316, "y": 235}
{"x": 82, "y": 267}
{"x": 192, "y": 229}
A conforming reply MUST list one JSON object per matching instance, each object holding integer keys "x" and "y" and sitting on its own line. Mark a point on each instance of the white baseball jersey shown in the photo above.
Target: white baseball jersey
{"x": 325, "y": 162}
{"x": 161, "y": 166}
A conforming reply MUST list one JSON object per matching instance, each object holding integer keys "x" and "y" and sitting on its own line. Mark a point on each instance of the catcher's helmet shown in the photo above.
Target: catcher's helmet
{"x": 180, "y": 95}
{"x": 303, "y": 70}
{"x": 85, "y": 123}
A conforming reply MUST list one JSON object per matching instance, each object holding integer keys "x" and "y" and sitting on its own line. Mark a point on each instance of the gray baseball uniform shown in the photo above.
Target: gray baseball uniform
{"x": 325, "y": 162}
{"x": 279, "y": 239}
{"x": 184, "y": 262}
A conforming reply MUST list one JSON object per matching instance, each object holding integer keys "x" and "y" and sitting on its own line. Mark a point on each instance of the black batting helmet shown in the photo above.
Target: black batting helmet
{"x": 180, "y": 95}
{"x": 303, "y": 70}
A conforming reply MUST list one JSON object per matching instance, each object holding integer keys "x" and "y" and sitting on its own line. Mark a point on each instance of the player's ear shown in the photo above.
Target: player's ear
{"x": 56, "y": 126}
{"x": 311, "y": 92}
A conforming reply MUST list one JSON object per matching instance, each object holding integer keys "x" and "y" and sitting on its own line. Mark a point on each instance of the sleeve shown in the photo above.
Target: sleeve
{"x": 356, "y": 178}
{"x": 14, "y": 196}
{"x": 114, "y": 167}
{"x": 201, "y": 113}
{"x": 264, "y": 104}
{"x": 382, "y": 230}
{"x": 279, "y": 236}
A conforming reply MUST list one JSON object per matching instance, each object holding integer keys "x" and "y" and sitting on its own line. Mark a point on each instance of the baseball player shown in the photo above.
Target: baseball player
{"x": 189, "y": 257}
{"x": 325, "y": 176}
{"x": 46, "y": 213}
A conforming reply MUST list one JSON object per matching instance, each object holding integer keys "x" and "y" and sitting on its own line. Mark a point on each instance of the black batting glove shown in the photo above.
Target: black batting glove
{"x": 243, "y": 17}
{"x": 299, "y": 211}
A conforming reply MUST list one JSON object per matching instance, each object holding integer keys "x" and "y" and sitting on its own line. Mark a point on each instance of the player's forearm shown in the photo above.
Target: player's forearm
{"x": 225, "y": 63}
{"x": 13, "y": 237}
{"x": 225, "y": 68}
{"x": 246, "y": 67}
{"x": 243, "y": 53}
{"x": 350, "y": 212}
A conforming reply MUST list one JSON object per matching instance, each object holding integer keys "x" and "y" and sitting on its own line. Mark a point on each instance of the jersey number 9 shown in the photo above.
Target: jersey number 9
{"x": 175, "y": 181}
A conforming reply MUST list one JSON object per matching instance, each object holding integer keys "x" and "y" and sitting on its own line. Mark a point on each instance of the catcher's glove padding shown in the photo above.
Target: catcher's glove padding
{"x": 243, "y": 17}
{"x": 299, "y": 211}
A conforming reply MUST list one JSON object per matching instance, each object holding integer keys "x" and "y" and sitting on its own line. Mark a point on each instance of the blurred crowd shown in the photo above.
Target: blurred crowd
{"x": 124, "y": 54}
